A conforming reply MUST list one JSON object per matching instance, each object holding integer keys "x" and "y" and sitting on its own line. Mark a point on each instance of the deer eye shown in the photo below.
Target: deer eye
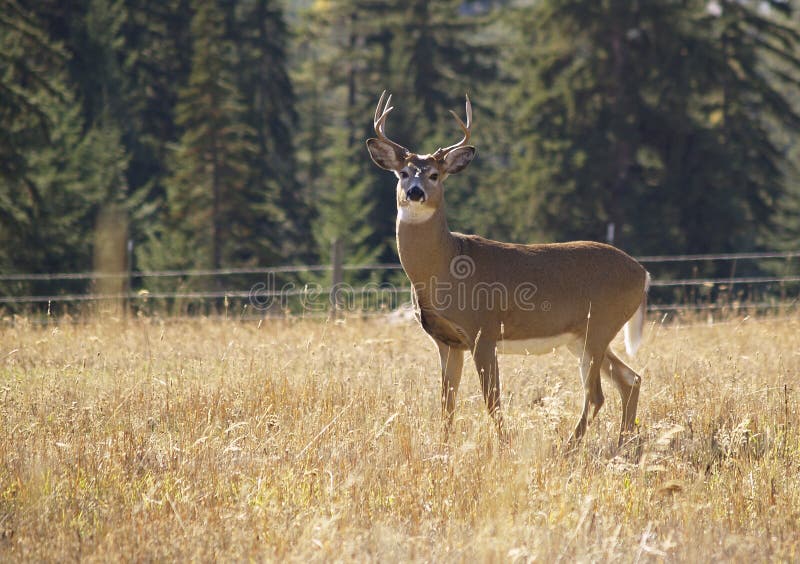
{"x": 434, "y": 176}
{"x": 403, "y": 174}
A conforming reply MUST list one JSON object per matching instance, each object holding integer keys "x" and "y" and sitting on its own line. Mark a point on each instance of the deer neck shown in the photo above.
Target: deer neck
{"x": 426, "y": 250}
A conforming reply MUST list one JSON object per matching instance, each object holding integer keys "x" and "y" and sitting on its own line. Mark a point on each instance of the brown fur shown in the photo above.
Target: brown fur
{"x": 468, "y": 290}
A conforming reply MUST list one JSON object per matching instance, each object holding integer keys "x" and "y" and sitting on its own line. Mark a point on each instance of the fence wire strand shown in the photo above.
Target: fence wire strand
{"x": 317, "y": 290}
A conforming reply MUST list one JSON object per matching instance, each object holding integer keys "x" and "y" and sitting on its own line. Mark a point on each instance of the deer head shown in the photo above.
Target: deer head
{"x": 419, "y": 177}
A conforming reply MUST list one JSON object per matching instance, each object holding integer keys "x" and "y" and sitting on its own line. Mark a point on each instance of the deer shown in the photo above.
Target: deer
{"x": 485, "y": 297}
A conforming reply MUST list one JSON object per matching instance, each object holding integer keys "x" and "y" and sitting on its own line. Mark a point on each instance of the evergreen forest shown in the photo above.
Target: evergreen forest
{"x": 208, "y": 134}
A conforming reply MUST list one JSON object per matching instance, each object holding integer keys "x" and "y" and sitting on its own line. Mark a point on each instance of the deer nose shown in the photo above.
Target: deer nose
{"x": 415, "y": 194}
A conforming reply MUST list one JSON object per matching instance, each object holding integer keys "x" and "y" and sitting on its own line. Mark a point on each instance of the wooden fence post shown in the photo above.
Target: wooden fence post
{"x": 337, "y": 277}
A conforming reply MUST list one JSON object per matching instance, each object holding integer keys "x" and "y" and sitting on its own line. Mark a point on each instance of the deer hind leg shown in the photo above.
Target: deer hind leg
{"x": 485, "y": 356}
{"x": 452, "y": 364}
{"x": 590, "y": 364}
{"x": 628, "y": 383}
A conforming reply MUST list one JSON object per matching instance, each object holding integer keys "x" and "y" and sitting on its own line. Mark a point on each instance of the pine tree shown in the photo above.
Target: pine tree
{"x": 95, "y": 70}
{"x": 438, "y": 53}
{"x": 157, "y": 61}
{"x": 53, "y": 206}
{"x": 31, "y": 81}
{"x": 96, "y": 66}
{"x": 750, "y": 104}
{"x": 261, "y": 38}
{"x": 652, "y": 116}
{"x": 49, "y": 167}
{"x": 335, "y": 120}
{"x": 427, "y": 54}
{"x": 209, "y": 169}
{"x": 344, "y": 205}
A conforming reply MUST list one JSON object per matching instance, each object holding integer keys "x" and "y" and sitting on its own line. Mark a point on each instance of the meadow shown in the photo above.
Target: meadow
{"x": 309, "y": 440}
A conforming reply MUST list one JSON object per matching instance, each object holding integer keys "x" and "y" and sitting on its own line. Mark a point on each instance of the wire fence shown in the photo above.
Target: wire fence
{"x": 364, "y": 267}
{"x": 258, "y": 289}
{"x": 193, "y": 273}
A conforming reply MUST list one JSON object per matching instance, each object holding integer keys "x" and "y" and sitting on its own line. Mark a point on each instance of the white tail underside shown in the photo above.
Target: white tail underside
{"x": 635, "y": 326}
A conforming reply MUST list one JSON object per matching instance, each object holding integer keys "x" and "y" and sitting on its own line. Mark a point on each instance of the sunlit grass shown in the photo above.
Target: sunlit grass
{"x": 307, "y": 440}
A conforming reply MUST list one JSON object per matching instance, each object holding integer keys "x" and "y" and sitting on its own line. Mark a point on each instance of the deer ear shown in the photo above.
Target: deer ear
{"x": 458, "y": 159}
{"x": 385, "y": 155}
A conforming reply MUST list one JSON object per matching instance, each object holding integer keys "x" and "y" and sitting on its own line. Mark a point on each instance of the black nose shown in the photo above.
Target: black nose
{"x": 415, "y": 194}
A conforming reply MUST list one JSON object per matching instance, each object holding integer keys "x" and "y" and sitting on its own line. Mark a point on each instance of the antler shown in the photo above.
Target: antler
{"x": 441, "y": 153}
{"x": 379, "y": 121}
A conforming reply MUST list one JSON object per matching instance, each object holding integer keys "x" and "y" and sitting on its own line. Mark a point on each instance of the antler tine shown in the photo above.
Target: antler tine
{"x": 378, "y": 108}
{"x": 381, "y": 109}
{"x": 465, "y": 127}
{"x": 379, "y": 121}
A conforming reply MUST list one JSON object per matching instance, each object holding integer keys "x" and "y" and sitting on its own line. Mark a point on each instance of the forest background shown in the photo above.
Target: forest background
{"x": 203, "y": 134}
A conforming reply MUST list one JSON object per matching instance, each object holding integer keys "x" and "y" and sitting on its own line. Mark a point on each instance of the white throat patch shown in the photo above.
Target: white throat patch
{"x": 414, "y": 213}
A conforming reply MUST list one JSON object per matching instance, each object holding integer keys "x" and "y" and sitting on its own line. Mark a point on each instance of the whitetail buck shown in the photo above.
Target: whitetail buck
{"x": 483, "y": 296}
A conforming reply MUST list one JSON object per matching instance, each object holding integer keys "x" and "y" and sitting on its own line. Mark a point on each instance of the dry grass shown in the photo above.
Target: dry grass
{"x": 313, "y": 441}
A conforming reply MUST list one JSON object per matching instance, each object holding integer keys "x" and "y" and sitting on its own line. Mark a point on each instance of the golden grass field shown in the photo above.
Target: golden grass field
{"x": 145, "y": 440}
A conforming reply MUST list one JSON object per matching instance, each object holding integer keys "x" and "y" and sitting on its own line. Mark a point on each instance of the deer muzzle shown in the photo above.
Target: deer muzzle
{"x": 415, "y": 194}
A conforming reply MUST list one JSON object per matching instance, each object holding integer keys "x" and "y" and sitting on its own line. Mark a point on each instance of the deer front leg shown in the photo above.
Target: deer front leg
{"x": 452, "y": 363}
{"x": 485, "y": 355}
